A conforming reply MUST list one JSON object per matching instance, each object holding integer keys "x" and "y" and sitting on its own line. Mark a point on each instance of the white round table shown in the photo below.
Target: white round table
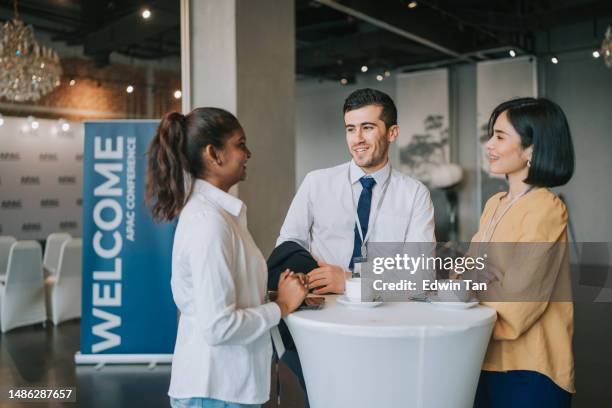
{"x": 401, "y": 354}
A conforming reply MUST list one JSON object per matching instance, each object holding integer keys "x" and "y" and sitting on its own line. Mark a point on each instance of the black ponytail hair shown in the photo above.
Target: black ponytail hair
{"x": 177, "y": 149}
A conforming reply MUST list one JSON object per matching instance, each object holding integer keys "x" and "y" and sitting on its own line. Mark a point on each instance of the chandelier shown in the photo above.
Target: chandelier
{"x": 27, "y": 70}
{"x": 606, "y": 47}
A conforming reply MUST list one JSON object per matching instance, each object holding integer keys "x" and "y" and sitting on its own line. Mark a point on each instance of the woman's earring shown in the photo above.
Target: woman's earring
{"x": 529, "y": 163}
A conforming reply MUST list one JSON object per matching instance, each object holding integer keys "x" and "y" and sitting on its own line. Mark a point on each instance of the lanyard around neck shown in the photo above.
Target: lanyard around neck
{"x": 490, "y": 226}
{"x": 364, "y": 240}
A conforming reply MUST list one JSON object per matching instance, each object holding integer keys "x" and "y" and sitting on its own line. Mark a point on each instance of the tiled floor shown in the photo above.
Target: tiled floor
{"x": 42, "y": 357}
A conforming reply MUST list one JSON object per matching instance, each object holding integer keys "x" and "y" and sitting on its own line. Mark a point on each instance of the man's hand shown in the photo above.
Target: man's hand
{"x": 326, "y": 279}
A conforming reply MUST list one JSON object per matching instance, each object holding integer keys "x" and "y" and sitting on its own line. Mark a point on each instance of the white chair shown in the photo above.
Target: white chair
{"x": 5, "y": 247}
{"x": 63, "y": 290}
{"x": 22, "y": 295}
{"x": 52, "y": 250}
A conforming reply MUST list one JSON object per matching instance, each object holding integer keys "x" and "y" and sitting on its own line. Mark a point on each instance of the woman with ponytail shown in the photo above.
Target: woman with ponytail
{"x": 223, "y": 348}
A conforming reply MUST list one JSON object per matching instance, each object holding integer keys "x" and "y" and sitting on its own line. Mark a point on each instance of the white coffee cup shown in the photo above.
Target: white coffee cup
{"x": 353, "y": 289}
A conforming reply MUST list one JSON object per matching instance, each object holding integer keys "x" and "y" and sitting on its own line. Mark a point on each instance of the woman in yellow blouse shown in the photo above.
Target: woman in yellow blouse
{"x": 529, "y": 360}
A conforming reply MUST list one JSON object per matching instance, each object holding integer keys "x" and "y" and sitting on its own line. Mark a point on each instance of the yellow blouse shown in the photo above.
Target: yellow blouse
{"x": 534, "y": 335}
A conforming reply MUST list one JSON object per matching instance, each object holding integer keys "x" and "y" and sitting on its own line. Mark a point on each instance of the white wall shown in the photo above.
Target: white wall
{"x": 41, "y": 178}
{"x": 582, "y": 86}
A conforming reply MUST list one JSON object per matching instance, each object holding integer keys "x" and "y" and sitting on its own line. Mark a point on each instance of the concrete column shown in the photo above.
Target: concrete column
{"x": 241, "y": 57}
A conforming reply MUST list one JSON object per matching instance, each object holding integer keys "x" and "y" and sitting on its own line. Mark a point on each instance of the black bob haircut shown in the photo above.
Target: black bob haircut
{"x": 542, "y": 124}
{"x": 367, "y": 96}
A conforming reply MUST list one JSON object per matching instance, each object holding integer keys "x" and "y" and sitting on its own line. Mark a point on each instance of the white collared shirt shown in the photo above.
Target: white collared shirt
{"x": 322, "y": 214}
{"x": 219, "y": 276}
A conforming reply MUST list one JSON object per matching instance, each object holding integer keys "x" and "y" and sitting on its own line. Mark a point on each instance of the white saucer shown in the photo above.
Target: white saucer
{"x": 455, "y": 305}
{"x": 343, "y": 300}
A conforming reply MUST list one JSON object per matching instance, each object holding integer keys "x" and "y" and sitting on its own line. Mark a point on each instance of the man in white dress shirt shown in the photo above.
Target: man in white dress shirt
{"x": 390, "y": 206}
{"x": 322, "y": 216}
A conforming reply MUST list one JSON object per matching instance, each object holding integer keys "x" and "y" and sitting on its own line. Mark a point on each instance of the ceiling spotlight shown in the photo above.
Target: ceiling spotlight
{"x": 178, "y": 94}
{"x": 1, "y": 120}
{"x": 412, "y": 4}
{"x": 72, "y": 82}
{"x": 596, "y": 54}
{"x": 554, "y": 60}
{"x": 65, "y": 126}
{"x": 512, "y": 53}
{"x": 379, "y": 77}
{"x": 364, "y": 68}
{"x": 344, "y": 81}
{"x": 146, "y": 14}
{"x": 129, "y": 89}
{"x": 387, "y": 74}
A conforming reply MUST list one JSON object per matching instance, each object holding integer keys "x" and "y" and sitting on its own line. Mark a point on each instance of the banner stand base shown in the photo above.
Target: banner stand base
{"x": 100, "y": 360}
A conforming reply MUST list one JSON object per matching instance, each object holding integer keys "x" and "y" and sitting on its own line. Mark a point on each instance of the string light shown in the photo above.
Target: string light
{"x": 33, "y": 122}
{"x": 178, "y": 94}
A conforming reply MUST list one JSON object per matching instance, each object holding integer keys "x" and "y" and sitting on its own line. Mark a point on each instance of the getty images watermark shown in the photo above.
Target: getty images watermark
{"x": 494, "y": 272}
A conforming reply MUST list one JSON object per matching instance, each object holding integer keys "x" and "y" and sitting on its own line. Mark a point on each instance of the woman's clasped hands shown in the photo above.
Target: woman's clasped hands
{"x": 292, "y": 291}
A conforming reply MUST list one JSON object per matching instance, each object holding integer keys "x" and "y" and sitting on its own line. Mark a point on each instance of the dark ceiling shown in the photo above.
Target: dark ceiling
{"x": 333, "y": 38}
{"x": 104, "y": 26}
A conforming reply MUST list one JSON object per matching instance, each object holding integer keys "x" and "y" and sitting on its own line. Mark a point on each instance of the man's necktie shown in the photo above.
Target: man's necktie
{"x": 363, "y": 212}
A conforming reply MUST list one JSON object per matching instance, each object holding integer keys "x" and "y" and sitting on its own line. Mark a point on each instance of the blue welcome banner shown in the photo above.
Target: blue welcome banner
{"x": 127, "y": 300}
